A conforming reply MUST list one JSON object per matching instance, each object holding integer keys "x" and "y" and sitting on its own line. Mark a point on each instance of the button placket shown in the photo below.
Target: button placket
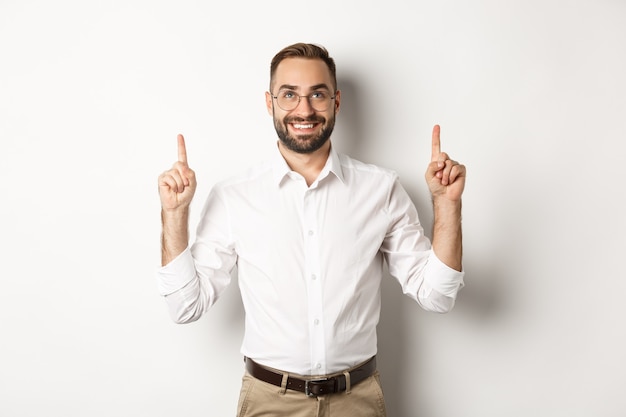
{"x": 314, "y": 289}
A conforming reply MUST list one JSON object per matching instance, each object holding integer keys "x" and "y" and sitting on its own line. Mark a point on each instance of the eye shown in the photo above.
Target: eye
{"x": 288, "y": 94}
{"x": 319, "y": 95}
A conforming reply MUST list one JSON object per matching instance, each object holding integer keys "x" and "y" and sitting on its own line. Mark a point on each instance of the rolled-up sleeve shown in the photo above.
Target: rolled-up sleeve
{"x": 441, "y": 278}
{"x": 176, "y": 274}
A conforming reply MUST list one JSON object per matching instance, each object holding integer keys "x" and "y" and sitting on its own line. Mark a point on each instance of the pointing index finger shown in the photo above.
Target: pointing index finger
{"x": 436, "y": 146}
{"x": 182, "y": 150}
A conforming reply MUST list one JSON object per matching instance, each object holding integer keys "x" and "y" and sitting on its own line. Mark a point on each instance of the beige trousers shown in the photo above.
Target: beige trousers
{"x": 258, "y": 398}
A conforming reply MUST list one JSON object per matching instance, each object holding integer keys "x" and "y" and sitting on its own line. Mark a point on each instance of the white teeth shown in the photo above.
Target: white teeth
{"x": 297, "y": 126}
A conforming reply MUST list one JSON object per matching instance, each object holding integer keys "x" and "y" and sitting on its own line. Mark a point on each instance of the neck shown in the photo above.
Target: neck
{"x": 309, "y": 165}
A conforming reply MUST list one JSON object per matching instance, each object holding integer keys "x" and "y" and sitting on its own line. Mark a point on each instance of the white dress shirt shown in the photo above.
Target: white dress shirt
{"x": 309, "y": 261}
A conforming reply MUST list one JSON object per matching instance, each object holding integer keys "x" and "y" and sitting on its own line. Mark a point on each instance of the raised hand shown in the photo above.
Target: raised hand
{"x": 178, "y": 184}
{"x": 445, "y": 177}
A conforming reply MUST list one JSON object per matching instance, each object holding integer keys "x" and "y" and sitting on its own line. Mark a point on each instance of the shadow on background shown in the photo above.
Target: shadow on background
{"x": 349, "y": 136}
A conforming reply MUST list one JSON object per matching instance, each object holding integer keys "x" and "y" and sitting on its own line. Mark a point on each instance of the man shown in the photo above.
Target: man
{"x": 309, "y": 232}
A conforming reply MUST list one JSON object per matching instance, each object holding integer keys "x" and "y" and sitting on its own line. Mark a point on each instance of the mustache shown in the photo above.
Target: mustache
{"x": 294, "y": 119}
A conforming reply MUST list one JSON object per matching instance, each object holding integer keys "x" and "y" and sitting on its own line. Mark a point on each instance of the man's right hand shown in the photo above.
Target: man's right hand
{"x": 177, "y": 185}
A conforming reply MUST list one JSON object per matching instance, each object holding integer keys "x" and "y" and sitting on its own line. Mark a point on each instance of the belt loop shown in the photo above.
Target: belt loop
{"x": 283, "y": 384}
{"x": 348, "y": 387}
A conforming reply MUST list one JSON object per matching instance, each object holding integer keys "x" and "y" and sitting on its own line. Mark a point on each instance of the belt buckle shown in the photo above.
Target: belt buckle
{"x": 313, "y": 383}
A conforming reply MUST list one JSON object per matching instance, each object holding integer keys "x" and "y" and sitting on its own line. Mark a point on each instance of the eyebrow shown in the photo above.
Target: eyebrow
{"x": 296, "y": 88}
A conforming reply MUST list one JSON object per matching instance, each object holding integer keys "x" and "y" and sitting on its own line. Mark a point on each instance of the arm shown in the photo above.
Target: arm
{"x": 176, "y": 189}
{"x": 446, "y": 181}
{"x": 190, "y": 287}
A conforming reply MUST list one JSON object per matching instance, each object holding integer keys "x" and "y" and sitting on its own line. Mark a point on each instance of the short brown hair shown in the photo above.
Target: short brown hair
{"x": 304, "y": 50}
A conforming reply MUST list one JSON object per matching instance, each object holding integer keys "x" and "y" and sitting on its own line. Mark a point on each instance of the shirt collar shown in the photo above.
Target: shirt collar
{"x": 281, "y": 170}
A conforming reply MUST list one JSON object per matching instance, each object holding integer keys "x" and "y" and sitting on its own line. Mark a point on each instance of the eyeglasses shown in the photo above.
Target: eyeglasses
{"x": 288, "y": 100}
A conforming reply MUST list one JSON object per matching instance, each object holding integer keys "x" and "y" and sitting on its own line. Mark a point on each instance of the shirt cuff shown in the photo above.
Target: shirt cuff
{"x": 442, "y": 278}
{"x": 176, "y": 274}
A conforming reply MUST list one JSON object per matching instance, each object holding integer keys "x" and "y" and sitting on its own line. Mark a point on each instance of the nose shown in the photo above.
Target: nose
{"x": 304, "y": 106}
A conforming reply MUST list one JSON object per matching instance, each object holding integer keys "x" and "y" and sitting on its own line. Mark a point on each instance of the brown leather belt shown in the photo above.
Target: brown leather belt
{"x": 313, "y": 386}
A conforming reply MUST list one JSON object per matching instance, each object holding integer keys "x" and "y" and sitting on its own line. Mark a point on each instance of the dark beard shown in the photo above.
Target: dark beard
{"x": 304, "y": 143}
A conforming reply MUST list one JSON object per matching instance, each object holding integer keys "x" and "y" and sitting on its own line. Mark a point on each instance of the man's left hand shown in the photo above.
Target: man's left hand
{"x": 445, "y": 177}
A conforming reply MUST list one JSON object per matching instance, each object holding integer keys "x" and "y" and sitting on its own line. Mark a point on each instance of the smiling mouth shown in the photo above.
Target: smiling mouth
{"x": 303, "y": 126}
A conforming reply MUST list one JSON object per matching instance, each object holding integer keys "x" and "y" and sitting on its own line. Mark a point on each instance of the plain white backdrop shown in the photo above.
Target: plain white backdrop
{"x": 531, "y": 96}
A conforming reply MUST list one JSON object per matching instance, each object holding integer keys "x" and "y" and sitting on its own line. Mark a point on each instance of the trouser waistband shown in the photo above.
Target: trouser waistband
{"x": 316, "y": 385}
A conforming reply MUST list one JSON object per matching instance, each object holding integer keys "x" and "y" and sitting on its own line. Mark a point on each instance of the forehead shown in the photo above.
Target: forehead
{"x": 302, "y": 73}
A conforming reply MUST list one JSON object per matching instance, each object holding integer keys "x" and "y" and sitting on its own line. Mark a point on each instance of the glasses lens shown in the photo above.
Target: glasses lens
{"x": 319, "y": 100}
{"x": 287, "y": 100}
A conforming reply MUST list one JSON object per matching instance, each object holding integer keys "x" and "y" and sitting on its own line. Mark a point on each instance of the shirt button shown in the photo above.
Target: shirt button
{"x": 310, "y": 232}
{"x": 313, "y": 277}
{"x": 318, "y": 365}
{"x": 316, "y": 322}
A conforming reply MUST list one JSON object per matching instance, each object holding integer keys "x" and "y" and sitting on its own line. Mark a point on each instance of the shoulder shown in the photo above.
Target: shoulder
{"x": 253, "y": 176}
{"x": 355, "y": 169}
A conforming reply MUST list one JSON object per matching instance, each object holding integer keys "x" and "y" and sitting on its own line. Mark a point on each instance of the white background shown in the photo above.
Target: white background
{"x": 531, "y": 96}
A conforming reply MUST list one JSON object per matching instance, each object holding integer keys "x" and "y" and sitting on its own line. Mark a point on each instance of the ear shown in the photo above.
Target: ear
{"x": 269, "y": 103}
{"x": 337, "y": 101}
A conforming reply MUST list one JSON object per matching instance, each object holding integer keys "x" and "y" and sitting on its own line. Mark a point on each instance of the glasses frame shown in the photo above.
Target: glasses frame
{"x": 308, "y": 97}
